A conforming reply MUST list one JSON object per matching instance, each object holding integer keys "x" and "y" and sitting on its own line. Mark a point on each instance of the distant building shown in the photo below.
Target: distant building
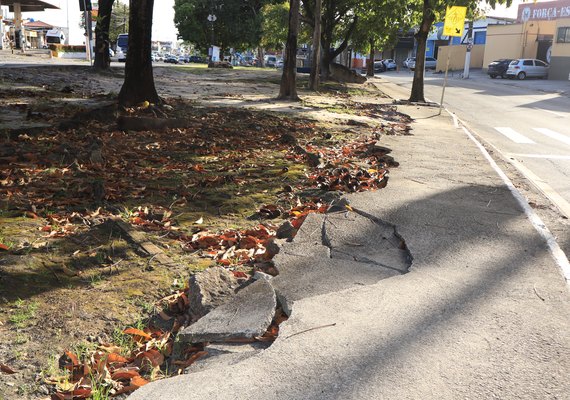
{"x": 542, "y": 31}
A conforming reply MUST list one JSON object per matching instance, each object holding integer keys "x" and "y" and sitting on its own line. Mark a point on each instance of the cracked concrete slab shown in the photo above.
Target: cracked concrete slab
{"x": 222, "y": 354}
{"x": 246, "y": 315}
{"x": 352, "y": 236}
{"x": 325, "y": 257}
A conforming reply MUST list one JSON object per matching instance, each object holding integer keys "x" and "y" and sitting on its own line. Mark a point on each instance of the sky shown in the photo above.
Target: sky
{"x": 163, "y": 26}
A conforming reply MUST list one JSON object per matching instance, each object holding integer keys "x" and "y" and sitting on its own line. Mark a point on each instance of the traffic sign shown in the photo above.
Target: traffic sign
{"x": 454, "y": 21}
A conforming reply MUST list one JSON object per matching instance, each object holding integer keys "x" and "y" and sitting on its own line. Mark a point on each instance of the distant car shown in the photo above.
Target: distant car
{"x": 171, "y": 59}
{"x": 378, "y": 67}
{"x": 390, "y": 64}
{"x": 279, "y": 64}
{"x": 527, "y": 67}
{"x": 120, "y": 55}
{"x": 499, "y": 68}
{"x": 430, "y": 63}
{"x": 407, "y": 61}
{"x": 196, "y": 59}
{"x": 271, "y": 61}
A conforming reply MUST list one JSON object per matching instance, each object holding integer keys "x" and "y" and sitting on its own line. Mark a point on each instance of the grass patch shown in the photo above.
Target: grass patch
{"x": 24, "y": 312}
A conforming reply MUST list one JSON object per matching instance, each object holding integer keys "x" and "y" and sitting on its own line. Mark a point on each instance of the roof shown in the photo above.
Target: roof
{"x": 29, "y": 5}
{"x": 37, "y": 25}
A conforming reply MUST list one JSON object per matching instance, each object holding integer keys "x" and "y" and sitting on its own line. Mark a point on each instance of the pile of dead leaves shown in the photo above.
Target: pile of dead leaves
{"x": 108, "y": 373}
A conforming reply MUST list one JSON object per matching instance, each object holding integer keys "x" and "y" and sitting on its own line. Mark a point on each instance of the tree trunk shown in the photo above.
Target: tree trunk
{"x": 370, "y": 66}
{"x": 139, "y": 81}
{"x": 260, "y": 57}
{"x": 288, "y": 88}
{"x": 316, "y": 59}
{"x": 102, "y": 58}
{"x": 428, "y": 16}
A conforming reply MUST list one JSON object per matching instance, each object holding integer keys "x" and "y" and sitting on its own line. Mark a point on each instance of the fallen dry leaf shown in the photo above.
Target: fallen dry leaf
{"x": 6, "y": 369}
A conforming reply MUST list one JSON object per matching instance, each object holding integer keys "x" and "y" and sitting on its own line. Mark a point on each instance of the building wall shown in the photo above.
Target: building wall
{"x": 515, "y": 41}
{"x": 457, "y": 57}
{"x": 503, "y": 41}
{"x": 560, "y": 58}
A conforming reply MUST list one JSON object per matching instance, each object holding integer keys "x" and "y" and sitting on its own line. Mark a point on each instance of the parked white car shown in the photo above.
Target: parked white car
{"x": 390, "y": 64}
{"x": 407, "y": 61}
{"x": 524, "y": 67}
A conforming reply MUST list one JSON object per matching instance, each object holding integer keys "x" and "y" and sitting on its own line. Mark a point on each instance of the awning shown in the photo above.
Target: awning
{"x": 28, "y": 5}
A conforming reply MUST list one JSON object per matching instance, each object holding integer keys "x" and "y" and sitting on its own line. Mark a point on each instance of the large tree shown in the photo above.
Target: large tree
{"x": 102, "y": 58}
{"x": 314, "y": 79}
{"x": 288, "y": 88}
{"x": 339, "y": 20}
{"x": 139, "y": 81}
{"x": 429, "y": 11}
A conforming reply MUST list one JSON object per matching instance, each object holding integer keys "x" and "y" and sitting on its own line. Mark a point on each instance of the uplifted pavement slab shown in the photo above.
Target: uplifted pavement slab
{"x": 248, "y": 314}
{"x": 336, "y": 251}
{"x": 483, "y": 312}
{"x": 224, "y": 354}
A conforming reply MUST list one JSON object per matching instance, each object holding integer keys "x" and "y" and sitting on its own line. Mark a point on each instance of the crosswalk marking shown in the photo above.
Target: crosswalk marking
{"x": 545, "y": 156}
{"x": 514, "y": 135}
{"x": 553, "y": 135}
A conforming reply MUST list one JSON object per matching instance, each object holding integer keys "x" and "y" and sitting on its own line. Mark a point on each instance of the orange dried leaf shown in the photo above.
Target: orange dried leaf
{"x": 154, "y": 357}
{"x": 6, "y": 369}
{"x": 138, "y": 381}
{"x": 208, "y": 241}
{"x": 114, "y": 358}
{"x": 137, "y": 332}
{"x": 4, "y": 247}
{"x": 124, "y": 373}
{"x": 248, "y": 242}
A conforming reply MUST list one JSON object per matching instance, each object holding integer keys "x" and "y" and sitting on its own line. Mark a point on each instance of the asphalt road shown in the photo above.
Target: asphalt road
{"x": 527, "y": 121}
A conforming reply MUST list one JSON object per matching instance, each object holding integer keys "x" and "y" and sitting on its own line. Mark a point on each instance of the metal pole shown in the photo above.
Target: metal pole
{"x": 468, "y": 52}
{"x": 445, "y": 78}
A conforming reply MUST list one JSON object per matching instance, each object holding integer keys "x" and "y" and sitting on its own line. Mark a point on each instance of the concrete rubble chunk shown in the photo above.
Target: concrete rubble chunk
{"x": 210, "y": 289}
{"x": 246, "y": 315}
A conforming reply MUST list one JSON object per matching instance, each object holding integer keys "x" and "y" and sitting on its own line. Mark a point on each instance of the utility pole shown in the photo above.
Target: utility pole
{"x": 468, "y": 52}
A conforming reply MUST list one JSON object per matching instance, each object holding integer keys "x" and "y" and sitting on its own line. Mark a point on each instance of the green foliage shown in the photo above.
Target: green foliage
{"x": 275, "y": 20}
{"x": 119, "y": 20}
{"x": 237, "y": 24}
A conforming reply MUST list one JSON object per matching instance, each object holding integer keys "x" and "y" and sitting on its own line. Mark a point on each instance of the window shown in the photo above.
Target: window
{"x": 563, "y": 35}
{"x": 528, "y": 62}
{"x": 480, "y": 38}
{"x": 539, "y": 63}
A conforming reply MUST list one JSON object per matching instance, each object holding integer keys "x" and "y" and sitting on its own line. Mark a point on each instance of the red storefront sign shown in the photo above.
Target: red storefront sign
{"x": 546, "y": 11}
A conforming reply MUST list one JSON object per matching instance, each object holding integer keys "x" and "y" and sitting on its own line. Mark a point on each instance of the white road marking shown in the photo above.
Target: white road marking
{"x": 551, "y": 112}
{"x": 537, "y": 223}
{"x": 514, "y": 135}
{"x": 554, "y": 135}
{"x": 545, "y": 156}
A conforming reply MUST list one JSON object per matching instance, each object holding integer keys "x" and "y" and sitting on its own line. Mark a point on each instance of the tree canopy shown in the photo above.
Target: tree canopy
{"x": 237, "y": 23}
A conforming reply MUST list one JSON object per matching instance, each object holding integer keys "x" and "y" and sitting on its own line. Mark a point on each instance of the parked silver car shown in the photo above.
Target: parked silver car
{"x": 527, "y": 67}
{"x": 430, "y": 63}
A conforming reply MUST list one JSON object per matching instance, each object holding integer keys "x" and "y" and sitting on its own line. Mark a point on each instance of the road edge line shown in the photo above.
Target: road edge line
{"x": 555, "y": 250}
